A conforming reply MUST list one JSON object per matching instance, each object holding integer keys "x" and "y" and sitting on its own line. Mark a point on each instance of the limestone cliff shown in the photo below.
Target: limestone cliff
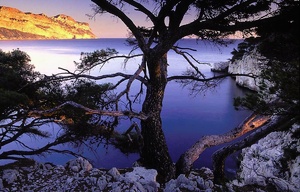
{"x": 15, "y": 24}
{"x": 251, "y": 63}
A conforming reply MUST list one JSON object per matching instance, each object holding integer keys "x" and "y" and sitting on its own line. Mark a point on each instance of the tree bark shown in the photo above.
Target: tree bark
{"x": 276, "y": 124}
{"x": 155, "y": 153}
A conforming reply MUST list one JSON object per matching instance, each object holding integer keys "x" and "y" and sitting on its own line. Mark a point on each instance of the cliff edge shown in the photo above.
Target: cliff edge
{"x": 250, "y": 63}
{"x": 15, "y": 24}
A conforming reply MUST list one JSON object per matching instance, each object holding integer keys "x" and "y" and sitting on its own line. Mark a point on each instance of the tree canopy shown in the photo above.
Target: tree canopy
{"x": 279, "y": 45}
{"x": 23, "y": 91}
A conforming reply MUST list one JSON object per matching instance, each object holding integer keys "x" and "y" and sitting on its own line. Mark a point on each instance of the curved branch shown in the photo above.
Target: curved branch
{"x": 16, "y": 131}
{"x": 132, "y": 78}
{"x": 46, "y": 148}
{"x": 184, "y": 55}
{"x": 89, "y": 111}
{"x": 142, "y": 9}
{"x": 76, "y": 76}
{"x": 106, "y": 60}
{"x": 278, "y": 123}
{"x": 179, "y": 13}
{"x": 186, "y": 160}
{"x": 110, "y": 8}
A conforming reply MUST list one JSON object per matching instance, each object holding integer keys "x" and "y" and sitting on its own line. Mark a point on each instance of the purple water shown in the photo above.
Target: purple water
{"x": 185, "y": 117}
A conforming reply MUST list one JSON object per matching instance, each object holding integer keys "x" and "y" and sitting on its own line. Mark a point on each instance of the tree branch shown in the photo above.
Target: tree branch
{"x": 47, "y": 148}
{"x": 181, "y": 9}
{"x": 184, "y": 55}
{"x": 76, "y": 76}
{"x": 195, "y": 78}
{"x": 89, "y": 111}
{"x": 277, "y": 123}
{"x": 142, "y": 9}
{"x": 106, "y": 60}
{"x": 132, "y": 78}
{"x": 109, "y": 7}
{"x": 233, "y": 9}
{"x": 186, "y": 160}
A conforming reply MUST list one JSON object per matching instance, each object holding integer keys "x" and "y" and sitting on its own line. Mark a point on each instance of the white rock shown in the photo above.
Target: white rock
{"x": 200, "y": 182}
{"x": 209, "y": 184}
{"x": 142, "y": 174}
{"x": 114, "y": 173}
{"x": 181, "y": 179}
{"x": 138, "y": 187}
{"x": 181, "y": 183}
{"x": 74, "y": 169}
{"x": 261, "y": 163}
{"x": 59, "y": 169}
{"x": 10, "y": 175}
{"x": 249, "y": 64}
{"x": 116, "y": 187}
{"x": 81, "y": 163}
{"x": 1, "y": 184}
{"x": 220, "y": 66}
{"x": 295, "y": 173}
{"x": 48, "y": 166}
{"x": 101, "y": 183}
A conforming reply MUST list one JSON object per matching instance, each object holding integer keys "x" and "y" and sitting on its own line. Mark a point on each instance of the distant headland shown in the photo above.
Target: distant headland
{"x": 17, "y": 25}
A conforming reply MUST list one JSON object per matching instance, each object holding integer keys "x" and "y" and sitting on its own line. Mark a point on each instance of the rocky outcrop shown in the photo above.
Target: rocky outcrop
{"x": 250, "y": 64}
{"x": 273, "y": 162}
{"x": 220, "y": 66}
{"x": 15, "y": 24}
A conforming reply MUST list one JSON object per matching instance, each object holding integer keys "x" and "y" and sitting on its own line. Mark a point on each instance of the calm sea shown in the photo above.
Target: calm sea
{"x": 186, "y": 117}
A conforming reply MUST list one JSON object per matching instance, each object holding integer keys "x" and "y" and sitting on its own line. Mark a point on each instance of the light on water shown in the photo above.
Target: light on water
{"x": 185, "y": 117}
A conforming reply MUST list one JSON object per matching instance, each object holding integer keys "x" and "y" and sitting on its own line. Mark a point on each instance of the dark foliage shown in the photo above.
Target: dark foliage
{"x": 279, "y": 44}
{"x": 23, "y": 90}
{"x": 16, "y": 75}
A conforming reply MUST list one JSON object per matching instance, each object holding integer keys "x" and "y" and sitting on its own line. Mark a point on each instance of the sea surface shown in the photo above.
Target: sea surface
{"x": 186, "y": 116}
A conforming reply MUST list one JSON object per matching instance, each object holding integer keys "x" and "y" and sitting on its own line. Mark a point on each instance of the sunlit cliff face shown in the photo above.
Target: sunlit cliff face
{"x": 15, "y": 24}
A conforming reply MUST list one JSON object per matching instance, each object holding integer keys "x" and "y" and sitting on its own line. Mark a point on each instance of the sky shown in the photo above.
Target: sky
{"x": 104, "y": 26}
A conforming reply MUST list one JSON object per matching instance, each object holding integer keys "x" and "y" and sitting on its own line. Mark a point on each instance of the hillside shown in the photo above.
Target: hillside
{"x": 15, "y": 24}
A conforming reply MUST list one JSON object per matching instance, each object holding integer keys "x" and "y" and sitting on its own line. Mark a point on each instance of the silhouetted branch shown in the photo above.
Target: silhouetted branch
{"x": 196, "y": 78}
{"x": 106, "y": 60}
{"x": 141, "y": 8}
{"x": 185, "y": 56}
{"x": 89, "y": 111}
{"x": 131, "y": 79}
{"x": 17, "y": 154}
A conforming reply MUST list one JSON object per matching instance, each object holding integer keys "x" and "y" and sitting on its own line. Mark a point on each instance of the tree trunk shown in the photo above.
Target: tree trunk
{"x": 155, "y": 153}
{"x": 276, "y": 124}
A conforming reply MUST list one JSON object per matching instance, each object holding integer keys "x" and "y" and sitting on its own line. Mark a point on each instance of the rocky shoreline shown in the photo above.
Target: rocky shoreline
{"x": 79, "y": 175}
{"x": 270, "y": 165}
